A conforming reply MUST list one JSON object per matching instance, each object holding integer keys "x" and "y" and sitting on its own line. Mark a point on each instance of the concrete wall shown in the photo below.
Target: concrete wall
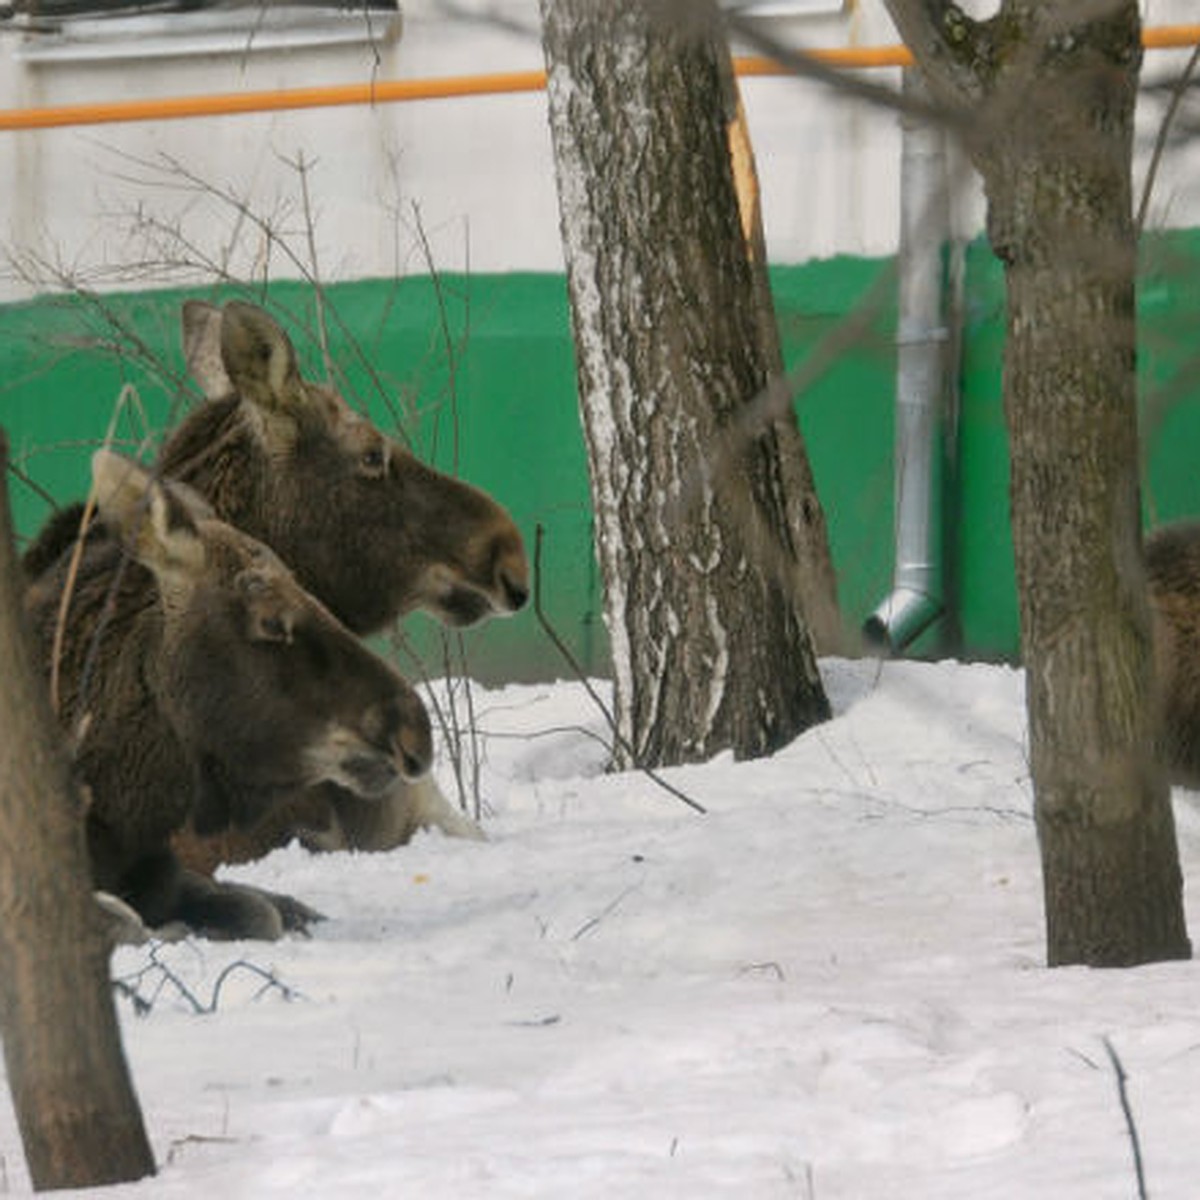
{"x": 90, "y": 203}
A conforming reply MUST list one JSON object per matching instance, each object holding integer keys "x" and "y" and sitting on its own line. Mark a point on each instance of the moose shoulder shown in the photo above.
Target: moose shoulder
{"x": 200, "y": 682}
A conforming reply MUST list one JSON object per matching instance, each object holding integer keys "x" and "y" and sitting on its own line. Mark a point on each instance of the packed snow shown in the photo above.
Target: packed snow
{"x": 830, "y": 986}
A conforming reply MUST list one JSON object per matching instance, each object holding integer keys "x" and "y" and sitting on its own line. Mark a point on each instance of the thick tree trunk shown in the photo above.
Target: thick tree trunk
{"x": 1044, "y": 93}
{"x": 1060, "y": 218}
{"x": 78, "y": 1114}
{"x": 815, "y": 579}
{"x": 710, "y": 644}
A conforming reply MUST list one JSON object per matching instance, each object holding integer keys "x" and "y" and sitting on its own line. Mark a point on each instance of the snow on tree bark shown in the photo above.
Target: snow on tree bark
{"x": 710, "y": 645}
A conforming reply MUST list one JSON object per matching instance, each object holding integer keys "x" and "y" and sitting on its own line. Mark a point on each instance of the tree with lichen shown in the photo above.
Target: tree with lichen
{"x": 78, "y": 1115}
{"x": 1043, "y": 93}
{"x": 707, "y": 525}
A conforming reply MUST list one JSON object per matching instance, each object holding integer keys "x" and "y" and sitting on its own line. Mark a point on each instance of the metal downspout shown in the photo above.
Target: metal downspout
{"x": 922, "y": 339}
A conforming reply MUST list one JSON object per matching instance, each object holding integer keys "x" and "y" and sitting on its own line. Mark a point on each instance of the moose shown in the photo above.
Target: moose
{"x": 1172, "y": 555}
{"x": 200, "y": 682}
{"x": 369, "y": 529}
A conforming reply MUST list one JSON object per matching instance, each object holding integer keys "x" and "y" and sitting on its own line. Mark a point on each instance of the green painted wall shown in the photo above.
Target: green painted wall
{"x": 477, "y": 374}
{"x": 474, "y": 372}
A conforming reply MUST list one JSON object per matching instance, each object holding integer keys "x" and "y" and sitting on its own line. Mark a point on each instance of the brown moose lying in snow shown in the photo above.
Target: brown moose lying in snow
{"x": 366, "y": 527}
{"x": 200, "y": 682}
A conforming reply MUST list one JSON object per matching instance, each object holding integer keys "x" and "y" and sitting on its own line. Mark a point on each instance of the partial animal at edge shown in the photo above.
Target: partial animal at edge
{"x": 1172, "y": 554}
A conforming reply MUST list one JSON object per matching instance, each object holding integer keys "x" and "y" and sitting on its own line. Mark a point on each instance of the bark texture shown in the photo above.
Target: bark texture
{"x": 1051, "y": 90}
{"x": 78, "y": 1115}
{"x": 711, "y": 649}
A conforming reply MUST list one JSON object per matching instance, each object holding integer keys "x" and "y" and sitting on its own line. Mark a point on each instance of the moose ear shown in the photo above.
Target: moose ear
{"x": 259, "y": 359}
{"x": 201, "y": 324}
{"x": 154, "y": 521}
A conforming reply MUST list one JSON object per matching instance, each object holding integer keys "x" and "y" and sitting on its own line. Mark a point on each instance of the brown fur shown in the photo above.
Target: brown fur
{"x": 203, "y": 683}
{"x": 53, "y": 539}
{"x": 366, "y": 526}
{"x": 1173, "y": 572}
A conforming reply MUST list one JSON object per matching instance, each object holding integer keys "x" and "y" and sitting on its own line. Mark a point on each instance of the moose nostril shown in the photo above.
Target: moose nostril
{"x": 515, "y": 593}
{"x": 414, "y": 741}
{"x": 416, "y": 756}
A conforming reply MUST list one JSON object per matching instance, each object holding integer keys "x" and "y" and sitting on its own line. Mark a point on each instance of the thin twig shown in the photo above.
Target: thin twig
{"x": 1180, "y": 86}
{"x": 163, "y": 974}
{"x": 611, "y": 907}
{"x": 128, "y": 395}
{"x": 464, "y": 747}
{"x": 475, "y": 754}
{"x": 439, "y": 296}
{"x": 23, "y": 477}
{"x": 844, "y": 83}
{"x": 581, "y": 675}
{"x": 1130, "y": 1124}
{"x": 302, "y": 167}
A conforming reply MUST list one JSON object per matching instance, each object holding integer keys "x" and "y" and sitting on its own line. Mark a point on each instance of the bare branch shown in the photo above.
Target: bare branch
{"x": 807, "y": 66}
{"x": 949, "y": 45}
{"x": 1179, "y": 89}
{"x": 1130, "y": 1123}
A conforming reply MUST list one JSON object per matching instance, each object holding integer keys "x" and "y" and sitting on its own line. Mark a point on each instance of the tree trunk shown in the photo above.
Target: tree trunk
{"x": 815, "y": 579}
{"x": 76, "y": 1108}
{"x": 1060, "y": 216}
{"x": 1053, "y": 94}
{"x": 710, "y": 645}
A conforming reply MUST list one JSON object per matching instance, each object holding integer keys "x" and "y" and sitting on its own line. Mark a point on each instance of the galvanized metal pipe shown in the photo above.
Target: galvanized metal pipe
{"x": 917, "y": 598}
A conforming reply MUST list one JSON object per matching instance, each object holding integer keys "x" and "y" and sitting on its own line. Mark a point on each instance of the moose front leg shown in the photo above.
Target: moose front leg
{"x": 237, "y": 911}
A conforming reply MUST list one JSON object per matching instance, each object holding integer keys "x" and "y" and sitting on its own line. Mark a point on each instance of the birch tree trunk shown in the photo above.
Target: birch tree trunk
{"x": 79, "y": 1117}
{"x": 711, "y": 649}
{"x": 1051, "y": 90}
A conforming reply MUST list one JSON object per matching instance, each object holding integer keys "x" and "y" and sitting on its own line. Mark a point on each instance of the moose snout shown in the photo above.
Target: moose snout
{"x": 510, "y": 572}
{"x": 370, "y": 773}
{"x": 415, "y": 742}
{"x": 515, "y": 591}
{"x": 392, "y": 739}
{"x": 401, "y": 727}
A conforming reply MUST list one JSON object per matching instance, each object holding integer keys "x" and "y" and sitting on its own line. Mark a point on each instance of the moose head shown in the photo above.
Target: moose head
{"x": 364, "y": 524}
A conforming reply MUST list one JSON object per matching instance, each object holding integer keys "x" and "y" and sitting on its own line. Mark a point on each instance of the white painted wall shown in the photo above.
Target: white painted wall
{"x": 88, "y": 202}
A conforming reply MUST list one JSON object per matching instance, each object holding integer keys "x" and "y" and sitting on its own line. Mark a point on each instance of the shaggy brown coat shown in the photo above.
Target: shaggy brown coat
{"x": 199, "y": 682}
{"x": 1173, "y": 571}
{"x": 365, "y": 526}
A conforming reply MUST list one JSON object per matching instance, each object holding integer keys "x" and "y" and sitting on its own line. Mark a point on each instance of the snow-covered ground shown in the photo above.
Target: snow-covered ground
{"x": 831, "y": 986}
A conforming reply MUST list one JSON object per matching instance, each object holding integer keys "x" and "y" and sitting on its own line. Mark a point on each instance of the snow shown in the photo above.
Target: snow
{"x": 831, "y": 986}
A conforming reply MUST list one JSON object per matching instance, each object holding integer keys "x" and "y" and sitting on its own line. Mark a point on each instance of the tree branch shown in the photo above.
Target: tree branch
{"x": 807, "y": 66}
{"x": 950, "y": 47}
{"x": 1130, "y": 1124}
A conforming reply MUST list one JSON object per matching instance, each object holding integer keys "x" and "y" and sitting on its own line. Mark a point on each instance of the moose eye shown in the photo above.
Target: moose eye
{"x": 373, "y": 462}
{"x": 271, "y": 627}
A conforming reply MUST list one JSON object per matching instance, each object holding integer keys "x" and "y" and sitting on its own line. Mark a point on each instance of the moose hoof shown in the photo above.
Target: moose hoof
{"x": 295, "y": 915}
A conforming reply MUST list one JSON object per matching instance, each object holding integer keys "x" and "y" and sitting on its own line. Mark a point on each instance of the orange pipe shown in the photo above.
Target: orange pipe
{"x": 1171, "y": 37}
{"x": 398, "y": 90}
{"x": 173, "y": 107}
